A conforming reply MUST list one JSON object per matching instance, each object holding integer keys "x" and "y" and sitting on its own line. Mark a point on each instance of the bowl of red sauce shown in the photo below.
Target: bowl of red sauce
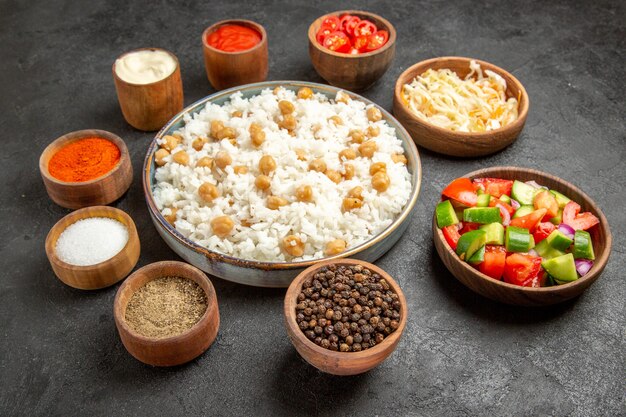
{"x": 235, "y": 53}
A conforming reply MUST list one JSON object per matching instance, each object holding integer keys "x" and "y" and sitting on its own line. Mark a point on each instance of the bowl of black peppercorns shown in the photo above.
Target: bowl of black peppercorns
{"x": 345, "y": 316}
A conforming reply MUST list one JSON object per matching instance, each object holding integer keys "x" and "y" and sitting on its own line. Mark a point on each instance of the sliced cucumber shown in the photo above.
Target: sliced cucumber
{"x": 562, "y": 268}
{"x": 470, "y": 242}
{"x": 517, "y": 239}
{"x": 546, "y": 251}
{"x": 477, "y": 257}
{"x": 523, "y": 193}
{"x": 522, "y": 211}
{"x": 559, "y": 241}
{"x": 560, "y": 198}
{"x": 583, "y": 247}
{"x": 495, "y": 233}
{"x": 483, "y": 200}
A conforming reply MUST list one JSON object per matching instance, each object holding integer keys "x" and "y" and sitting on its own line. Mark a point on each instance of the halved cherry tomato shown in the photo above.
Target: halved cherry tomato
{"x": 521, "y": 269}
{"x": 495, "y": 186}
{"x": 322, "y": 33}
{"x": 332, "y": 22}
{"x": 364, "y": 28}
{"x": 582, "y": 221}
{"x": 546, "y": 200}
{"x": 493, "y": 264}
{"x": 348, "y": 23}
{"x": 461, "y": 190}
{"x": 468, "y": 227}
{"x": 377, "y": 40}
{"x": 529, "y": 221}
{"x": 337, "y": 41}
{"x": 542, "y": 231}
{"x": 451, "y": 233}
{"x": 360, "y": 43}
{"x": 493, "y": 202}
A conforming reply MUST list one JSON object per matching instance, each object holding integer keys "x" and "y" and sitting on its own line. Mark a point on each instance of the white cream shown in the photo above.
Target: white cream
{"x": 145, "y": 67}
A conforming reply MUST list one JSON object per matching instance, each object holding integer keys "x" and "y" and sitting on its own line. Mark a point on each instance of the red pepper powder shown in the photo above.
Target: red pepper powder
{"x": 84, "y": 160}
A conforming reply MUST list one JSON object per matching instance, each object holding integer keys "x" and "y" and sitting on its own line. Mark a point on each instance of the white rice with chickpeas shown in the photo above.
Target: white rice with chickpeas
{"x": 296, "y": 230}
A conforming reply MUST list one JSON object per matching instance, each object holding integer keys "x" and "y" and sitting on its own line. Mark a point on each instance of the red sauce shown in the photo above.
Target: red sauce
{"x": 233, "y": 38}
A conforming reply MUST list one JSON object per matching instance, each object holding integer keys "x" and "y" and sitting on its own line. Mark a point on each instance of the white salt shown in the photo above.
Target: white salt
{"x": 91, "y": 241}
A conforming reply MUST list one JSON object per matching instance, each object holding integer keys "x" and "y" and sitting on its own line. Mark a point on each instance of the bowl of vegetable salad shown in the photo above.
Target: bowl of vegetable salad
{"x": 521, "y": 236}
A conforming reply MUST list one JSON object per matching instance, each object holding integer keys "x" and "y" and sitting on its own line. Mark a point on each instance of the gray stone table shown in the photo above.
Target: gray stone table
{"x": 461, "y": 354}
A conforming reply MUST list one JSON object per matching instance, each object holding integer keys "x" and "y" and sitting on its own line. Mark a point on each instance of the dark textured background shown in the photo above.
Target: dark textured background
{"x": 461, "y": 354}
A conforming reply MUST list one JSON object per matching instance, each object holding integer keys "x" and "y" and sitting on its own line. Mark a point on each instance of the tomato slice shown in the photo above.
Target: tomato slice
{"x": 542, "y": 231}
{"x": 451, "y": 233}
{"x": 462, "y": 190}
{"x": 493, "y": 264}
{"x": 376, "y": 40}
{"x": 322, "y": 33}
{"x": 494, "y": 186}
{"x": 546, "y": 200}
{"x": 348, "y": 23}
{"x": 529, "y": 221}
{"x": 360, "y": 43}
{"x": 582, "y": 221}
{"x": 364, "y": 28}
{"x": 337, "y": 41}
{"x": 494, "y": 202}
{"x": 521, "y": 269}
{"x": 332, "y": 22}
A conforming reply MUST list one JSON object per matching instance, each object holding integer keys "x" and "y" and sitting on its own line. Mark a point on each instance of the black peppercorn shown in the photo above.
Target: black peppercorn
{"x": 329, "y": 329}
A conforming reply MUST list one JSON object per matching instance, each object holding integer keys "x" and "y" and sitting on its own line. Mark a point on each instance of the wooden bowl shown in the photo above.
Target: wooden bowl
{"x": 230, "y": 69}
{"x": 526, "y": 296}
{"x": 340, "y": 363}
{"x": 175, "y": 350}
{"x": 448, "y": 142}
{"x": 352, "y": 72}
{"x": 103, "y": 274}
{"x": 148, "y": 107}
{"x": 99, "y": 191}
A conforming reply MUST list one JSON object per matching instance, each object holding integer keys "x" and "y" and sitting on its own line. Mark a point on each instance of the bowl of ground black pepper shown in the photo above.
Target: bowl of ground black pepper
{"x": 166, "y": 313}
{"x": 344, "y": 317}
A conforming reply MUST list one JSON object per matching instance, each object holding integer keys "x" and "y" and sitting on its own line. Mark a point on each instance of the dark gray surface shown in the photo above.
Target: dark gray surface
{"x": 461, "y": 354}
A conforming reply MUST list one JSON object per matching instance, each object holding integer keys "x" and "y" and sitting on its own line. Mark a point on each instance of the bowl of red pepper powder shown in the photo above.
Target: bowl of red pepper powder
{"x": 86, "y": 168}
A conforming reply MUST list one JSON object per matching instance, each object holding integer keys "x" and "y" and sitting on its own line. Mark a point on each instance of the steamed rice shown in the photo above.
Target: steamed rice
{"x": 259, "y": 231}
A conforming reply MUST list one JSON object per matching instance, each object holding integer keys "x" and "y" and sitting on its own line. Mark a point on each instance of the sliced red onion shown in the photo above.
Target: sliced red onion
{"x": 583, "y": 266}
{"x": 535, "y": 185}
{"x": 567, "y": 230}
{"x": 533, "y": 252}
{"x": 515, "y": 204}
{"x": 506, "y": 217}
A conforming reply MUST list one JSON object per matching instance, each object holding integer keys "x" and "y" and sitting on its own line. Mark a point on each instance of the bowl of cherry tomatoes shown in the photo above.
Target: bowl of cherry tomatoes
{"x": 351, "y": 49}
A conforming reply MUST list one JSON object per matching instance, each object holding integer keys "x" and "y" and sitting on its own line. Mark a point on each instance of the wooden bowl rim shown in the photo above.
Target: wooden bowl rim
{"x": 74, "y": 137}
{"x": 257, "y": 26}
{"x": 118, "y": 78}
{"x": 75, "y": 216}
{"x": 523, "y": 103}
{"x": 266, "y": 265}
{"x": 598, "y": 264}
{"x": 289, "y": 312}
{"x": 388, "y": 26}
{"x": 149, "y": 269}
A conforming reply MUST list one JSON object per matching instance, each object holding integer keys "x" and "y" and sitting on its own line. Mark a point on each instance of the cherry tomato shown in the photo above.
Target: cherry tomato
{"x": 348, "y": 23}
{"x": 495, "y": 186}
{"x": 494, "y": 261}
{"x": 376, "y": 40}
{"x": 322, "y": 33}
{"x": 364, "y": 28}
{"x": 521, "y": 269}
{"x": 332, "y": 22}
{"x": 360, "y": 43}
{"x": 451, "y": 233}
{"x": 468, "y": 227}
{"x": 542, "y": 231}
{"x": 529, "y": 221}
{"x": 338, "y": 42}
{"x": 493, "y": 202}
{"x": 576, "y": 220}
{"x": 461, "y": 190}
{"x": 546, "y": 200}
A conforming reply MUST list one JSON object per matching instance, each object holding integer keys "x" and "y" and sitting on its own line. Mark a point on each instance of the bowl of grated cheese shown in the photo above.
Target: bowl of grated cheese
{"x": 460, "y": 106}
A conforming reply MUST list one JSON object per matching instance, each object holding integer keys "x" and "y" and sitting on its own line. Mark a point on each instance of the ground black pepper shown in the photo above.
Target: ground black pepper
{"x": 347, "y": 308}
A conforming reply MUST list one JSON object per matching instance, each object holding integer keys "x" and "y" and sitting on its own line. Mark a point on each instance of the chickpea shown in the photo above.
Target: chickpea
{"x": 245, "y": 223}
{"x": 368, "y": 148}
{"x": 205, "y": 162}
{"x": 304, "y": 193}
{"x": 171, "y": 218}
{"x": 267, "y": 165}
{"x": 216, "y": 126}
{"x": 357, "y": 136}
{"x": 257, "y": 135}
{"x": 178, "y": 136}
{"x": 335, "y": 247}
{"x": 262, "y": 182}
{"x": 170, "y": 142}
{"x": 208, "y": 192}
{"x": 318, "y": 165}
{"x": 286, "y": 107}
{"x": 222, "y": 226}
{"x": 277, "y": 90}
{"x": 348, "y": 171}
{"x": 226, "y": 133}
{"x": 274, "y": 202}
{"x": 342, "y": 97}
{"x": 198, "y": 143}
{"x": 293, "y": 245}
{"x": 305, "y": 93}
{"x": 288, "y": 122}
{"x": 380, "y": 181}
{"x": 336, "y": 120}
{"x": 222, "y": 159}
{"x": 347, "y": 153}
{"x": 240, "y": 169}
{"x": 356, "y": 192}
{"x": 373, "y": 131}
{"x": 374, "y": 114}
{"x": 378, "y": 167}
{"x": 333, "y": 175}
{"x": 399, "y": 158}
{"x": 301, "y": 154}
{"x": 159, "y": 157}
{"x": 237, "y": 113}
{"x": 350, "y": 203}
{"x": 181, "y": 157}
